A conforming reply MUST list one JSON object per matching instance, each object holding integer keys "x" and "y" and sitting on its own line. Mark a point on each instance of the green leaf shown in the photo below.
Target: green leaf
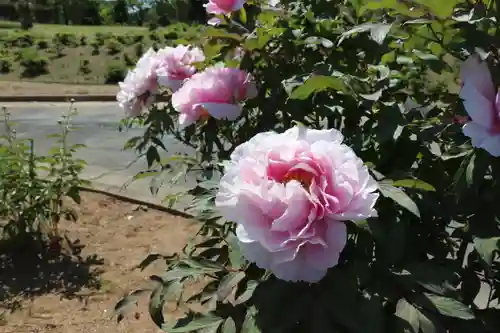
{"x": 247, "y": 294}
{"x": 441, "y": 8}
{"x": 317, "y": 83}
{"x": 486, "y": 248}
{"x": 426, "y": 325}
{"x": 206, "y": 322}
{"x": 408, "y": 313}
{"x": 235, "y": 257}
{"x": 243, "y": 15}
{"x": 378, "y": 31}
{"x": 399, "y": 197}
{"x": 469, "y": 171}
{"x": 373, "y": 96}
{"x": 450, "y": 307}
{"x": 228, "y": 283}
{"x": 229, "y": 326}
{"x": 249, "y": 324}
{"x": 414, "y": 183}
{"x": 152, "y": 156}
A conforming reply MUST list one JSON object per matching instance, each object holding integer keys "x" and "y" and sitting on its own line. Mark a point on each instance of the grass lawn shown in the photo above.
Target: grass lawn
{"x": 80, "y": 54}
{"x": 9, "y": 27}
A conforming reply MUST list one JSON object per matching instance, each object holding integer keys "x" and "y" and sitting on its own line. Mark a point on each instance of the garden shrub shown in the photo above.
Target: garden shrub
{"x": 129, "y": 61}
{"x": 138, "y": 38}
{"x": 139, "y": 49}
{"x": 125, "y": 39}
{"x": 95, "y": 48}
{"x": 6, "y": 65}
{"x": 339, "y": 188}
{"x": 66, "y": 39}
{"x": 33, "y": 63}
{"x": 154, "y": 37}
{"x": 43, "y": 44}
{"x": 84, "y": 67}
{"x": 114, "y": 47}
{"x": 33, "y": 187}
{"x": 83, "y": 40}
{"x": 115, "y": 72}
{"x": 101, "y": 38}
{"x": 21, "y": 40}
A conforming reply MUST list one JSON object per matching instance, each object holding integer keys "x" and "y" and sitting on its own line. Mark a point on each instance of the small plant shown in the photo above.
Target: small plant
{"x": 24, "y": 39}
{"x": 42, "y": 44}
{"x": 139, "y": 50}
{"x": 58, "y": 50}
{"x": 102, "y": 37}
{"x": 155, "y": 37}
{"x": 115, "y": 73}
{"x": 34, "y": 64}
{"x": 125, "y": 40}
{"x": 129, "y": 61}
{"x": 84, "y": 67}
{"x": 138, "y": 38}
{"x": 83, "y": 40}
{"x": 95, "y": 48}
{"x": 171, "y": 35}
{"x": 114, "y": 47}
{"x": 5, "y": 65}
{"x": 66, "y": 39}
{"x": 32, "y": 187}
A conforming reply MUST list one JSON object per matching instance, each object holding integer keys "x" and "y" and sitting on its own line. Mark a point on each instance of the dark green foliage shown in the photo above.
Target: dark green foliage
{"x": 33, "y": 63}
{"x": 115, "y": 73}
{"x": 32, "y": 186}
{"x": 371, "y": 69}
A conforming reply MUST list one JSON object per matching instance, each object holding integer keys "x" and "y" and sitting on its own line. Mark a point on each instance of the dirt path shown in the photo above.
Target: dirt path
{"x": 66, "y": 295}
{"x": 24, "y": 88}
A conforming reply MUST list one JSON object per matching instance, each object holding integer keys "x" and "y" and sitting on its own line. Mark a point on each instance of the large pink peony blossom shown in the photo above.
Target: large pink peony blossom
{"x": 175, "y": 64}
{"x": 223, "y": 6}
{"x": 290, "y": 195}
{"x": 138, "y": 89}
{"x": 216, "y": 92}
{"x": 482, "y": 103}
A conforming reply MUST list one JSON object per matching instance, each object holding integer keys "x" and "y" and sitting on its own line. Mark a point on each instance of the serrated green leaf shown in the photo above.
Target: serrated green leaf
{"x": 469, "y": 171}
{"x": 228, "y": 283}
{"x": 206, "y": 322}
{"x": 401, "y": 198}
{"x": 317, "y": 83}
{"x": 486, "y": 248}
{"x": 229, "y": 326}
{"x": 450, "y": 307}
{"x": 441, "y": 8}
{"x": 408, "y": 313}
{"x": 414, "y": 183}
{"x": 247, "y": 294}
{"x": 249, "y": 324}
{"x": 426, "y": 325}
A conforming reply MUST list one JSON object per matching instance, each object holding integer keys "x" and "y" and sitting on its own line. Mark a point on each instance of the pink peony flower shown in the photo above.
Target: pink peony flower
{"x": 223, "y": 6}
{"x": 290, "y": 195}
{"x": 215, "y": 92}
{"x": 482, "y": 103}
{"x": 175, "y": 64}
{"x": 138, "y": 89}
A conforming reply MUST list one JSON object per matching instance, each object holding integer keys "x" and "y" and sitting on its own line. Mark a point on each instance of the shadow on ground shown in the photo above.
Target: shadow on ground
{"x": 27, "y": 272}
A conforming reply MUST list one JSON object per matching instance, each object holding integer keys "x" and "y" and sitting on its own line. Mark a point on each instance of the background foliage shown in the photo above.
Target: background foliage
{"x": 33, "y": 188}
{"x": 384, "y": 73}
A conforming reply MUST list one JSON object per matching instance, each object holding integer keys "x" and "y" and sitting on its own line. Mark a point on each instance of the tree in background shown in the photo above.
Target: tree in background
{"x": 120, "y": 12}
{"x": 25, "y": 11}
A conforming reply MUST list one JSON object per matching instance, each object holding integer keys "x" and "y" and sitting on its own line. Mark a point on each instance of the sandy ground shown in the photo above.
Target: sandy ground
{"x": 24, "y": 88}
{"x": 77, "y": 294}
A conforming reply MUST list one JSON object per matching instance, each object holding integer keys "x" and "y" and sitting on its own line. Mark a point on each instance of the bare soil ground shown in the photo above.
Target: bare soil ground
{"x": 77, "y": 294}
{"x": 24, "y": 88}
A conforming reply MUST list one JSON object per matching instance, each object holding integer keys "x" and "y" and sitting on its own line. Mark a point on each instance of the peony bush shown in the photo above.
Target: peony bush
{"x": 346, "y": 162}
